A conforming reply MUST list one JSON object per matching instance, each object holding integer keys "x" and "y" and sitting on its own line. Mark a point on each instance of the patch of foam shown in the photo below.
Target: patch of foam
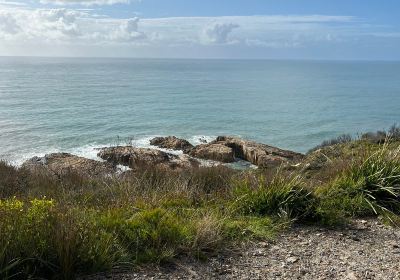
{"x": 142, "y": 142}
{"x": 87, "y": 151}
{"x": 18, "y": 160}
{"x": 208, "y": 163}
{"x": 201, "y": 139}
{"x": 122, "y": 168}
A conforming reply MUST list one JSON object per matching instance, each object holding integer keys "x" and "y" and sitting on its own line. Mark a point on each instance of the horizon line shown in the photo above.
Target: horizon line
{"x": 205, "y": 58}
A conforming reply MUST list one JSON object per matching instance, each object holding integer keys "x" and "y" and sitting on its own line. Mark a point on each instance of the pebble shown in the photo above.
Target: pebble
{"x": 292, "y": 260}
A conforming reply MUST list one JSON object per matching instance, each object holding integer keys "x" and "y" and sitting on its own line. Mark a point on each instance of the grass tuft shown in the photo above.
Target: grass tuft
{"x": 283, "y": 196}
{"x": 370, "y": 187}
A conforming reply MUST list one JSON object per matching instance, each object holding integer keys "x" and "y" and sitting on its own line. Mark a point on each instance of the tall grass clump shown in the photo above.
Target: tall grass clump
{"x": 282, "y": 196}
{"x": 370, "y": 187}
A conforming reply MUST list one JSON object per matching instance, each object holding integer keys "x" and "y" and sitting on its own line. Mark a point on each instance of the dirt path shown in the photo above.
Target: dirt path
{"x": 366, "y": 250}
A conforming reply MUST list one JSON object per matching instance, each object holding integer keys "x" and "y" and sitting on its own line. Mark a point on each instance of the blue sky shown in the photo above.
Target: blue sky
{"x": 272, "y": 29}
{"x": 384, "y": 10}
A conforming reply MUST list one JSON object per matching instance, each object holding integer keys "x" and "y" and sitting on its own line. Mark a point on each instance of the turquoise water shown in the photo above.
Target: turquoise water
{"x": 74, "y": 105}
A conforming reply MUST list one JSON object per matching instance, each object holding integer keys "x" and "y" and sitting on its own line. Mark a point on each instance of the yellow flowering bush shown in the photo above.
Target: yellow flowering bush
{"x": 25, "y": 228}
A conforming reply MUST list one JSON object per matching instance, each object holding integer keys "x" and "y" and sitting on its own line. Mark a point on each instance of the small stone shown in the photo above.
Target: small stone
{"x": 292, "y": 260}
{"x": 351, "y": 276}
{"x": 258, "y": 253}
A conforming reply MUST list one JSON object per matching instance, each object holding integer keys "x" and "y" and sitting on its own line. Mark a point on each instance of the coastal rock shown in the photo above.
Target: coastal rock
{"x": 143, "y": 158}
{"x": 133, "y": 157}
{"x": 213, "y": 151}
{"x": 64, "y": 163}
{"x": 171, "y": 142}
{"x": 181, "y": 162}
{"x": 258, "y": 154}
{"x": 228, "y": 149}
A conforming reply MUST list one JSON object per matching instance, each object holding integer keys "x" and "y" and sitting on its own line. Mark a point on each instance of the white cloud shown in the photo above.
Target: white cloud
{"x": 11, "y": 3}
{"x": 128, "y": 31}
{"x": 36, "y": 31}
{"x": 8, "y": 23}
{"x": 65, "y": 26}
{"x": 218, "y": 33}
{"x": 84, "y": 2}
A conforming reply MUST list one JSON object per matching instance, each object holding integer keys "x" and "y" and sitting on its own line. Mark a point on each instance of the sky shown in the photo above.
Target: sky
{"x": 232, "y": 29}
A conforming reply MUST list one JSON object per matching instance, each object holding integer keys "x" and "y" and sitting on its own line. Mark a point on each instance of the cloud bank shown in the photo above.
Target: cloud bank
{"x": 84, "y": 2}
{"x": 65, "y": 31}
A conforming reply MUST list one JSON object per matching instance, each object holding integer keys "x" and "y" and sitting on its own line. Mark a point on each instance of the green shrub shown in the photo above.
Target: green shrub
{"x": 41, "y": 240}
{"x": 152, "y": 235}
{"x": 341, "y": 139}
{"x": 83, "y": 244}
{"x": 25, "y": 230}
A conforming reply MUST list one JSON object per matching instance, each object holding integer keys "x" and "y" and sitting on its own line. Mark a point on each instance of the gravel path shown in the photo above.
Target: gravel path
{"x": 365, "y": 250}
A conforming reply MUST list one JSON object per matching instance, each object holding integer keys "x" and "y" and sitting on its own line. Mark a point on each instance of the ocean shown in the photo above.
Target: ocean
{"x": 78, "y": 104}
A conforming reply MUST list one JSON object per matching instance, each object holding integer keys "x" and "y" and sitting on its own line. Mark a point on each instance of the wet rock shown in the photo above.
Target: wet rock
{"x": 213, "y": 151}
{"x": 179, "y": 163}
{"x": 171, "y": 142}
{"x": 258, "y": 154}
{"x": 143, "y": 158}
{"x": 133, "y": 157}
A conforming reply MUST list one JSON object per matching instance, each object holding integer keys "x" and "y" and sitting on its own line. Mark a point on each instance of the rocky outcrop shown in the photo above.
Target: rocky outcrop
{"x": 258, "y": 154}
{"x": 137, "y": 158}
{"x": 171, "y": 142}
{"x": 132, "y": 157}
{"x": 226, "y": 149}
{"x": 181, "y": 162}
{"x": 213, "y": 151}
{"x": 223, "y": 149}
{"x": 64, "y": 163}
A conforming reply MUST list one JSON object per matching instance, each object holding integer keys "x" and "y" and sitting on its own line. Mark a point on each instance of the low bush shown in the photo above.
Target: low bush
{"x": 151, "y": 235}
{"x": 40, "y": 239}
{"x": 341, "y": 139}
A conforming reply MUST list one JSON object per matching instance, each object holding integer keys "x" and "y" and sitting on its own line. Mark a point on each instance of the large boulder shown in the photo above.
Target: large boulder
{"x": 143, "y": 158}
{"x": 132, "y": 157}
{"x": 213, "y": 151}
{"x": 171, "y": 142}
{"x": 64, "y": 163}
{"x": 258, "y": 154}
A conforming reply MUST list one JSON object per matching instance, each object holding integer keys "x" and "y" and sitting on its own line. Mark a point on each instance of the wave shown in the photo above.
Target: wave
{"x": 90, "y": 150}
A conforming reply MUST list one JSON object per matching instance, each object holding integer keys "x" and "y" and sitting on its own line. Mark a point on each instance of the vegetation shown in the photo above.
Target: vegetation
{"x": 57, "y": 227}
